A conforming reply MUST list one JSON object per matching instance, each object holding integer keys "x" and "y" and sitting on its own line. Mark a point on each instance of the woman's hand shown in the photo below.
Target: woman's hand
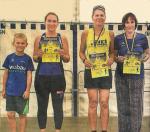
{"x": 110, "y": 61}
{"x": 145, "y": 58}
{"x": 63, "y": 55}
{"x": 121, "y": 59}
{"x": 61, "y": 52}
{"x": 87, "y": 63}
{"x": 39, "y": 53}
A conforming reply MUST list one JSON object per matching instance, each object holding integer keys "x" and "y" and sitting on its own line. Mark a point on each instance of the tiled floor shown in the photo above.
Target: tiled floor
{"x": 71, "y": 125}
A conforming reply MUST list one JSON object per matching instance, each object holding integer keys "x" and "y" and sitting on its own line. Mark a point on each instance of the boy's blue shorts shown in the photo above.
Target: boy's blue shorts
{"x": 17, "y": 104}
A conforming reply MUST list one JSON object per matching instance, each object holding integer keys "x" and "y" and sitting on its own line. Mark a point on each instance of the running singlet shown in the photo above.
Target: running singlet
{"x": 51, "y": 63}
{"x": 98, "y": 52}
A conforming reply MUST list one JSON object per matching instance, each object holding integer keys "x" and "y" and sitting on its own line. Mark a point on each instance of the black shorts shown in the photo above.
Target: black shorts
{"x": 17, "y": 104}
{"x": 51, "y": 83}
{"x": 101, "y": 82}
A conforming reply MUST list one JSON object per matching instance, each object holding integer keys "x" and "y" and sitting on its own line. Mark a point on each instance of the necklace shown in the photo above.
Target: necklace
{"x": 95, "y": 41}
{"x": 132, "y": 42}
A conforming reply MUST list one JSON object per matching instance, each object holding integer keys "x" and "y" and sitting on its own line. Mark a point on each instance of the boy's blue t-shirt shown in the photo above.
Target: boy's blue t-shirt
{"x": 140, "y": 44}
{"x": 17, "y": 73}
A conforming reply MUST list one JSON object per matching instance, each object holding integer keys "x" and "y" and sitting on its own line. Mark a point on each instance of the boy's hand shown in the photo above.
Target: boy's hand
{"x": 26, "y": 94}
{"x": 3, "y": 93}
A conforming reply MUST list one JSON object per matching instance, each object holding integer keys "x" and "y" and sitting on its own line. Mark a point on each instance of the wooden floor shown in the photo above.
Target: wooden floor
{"x": 71, "y": 125}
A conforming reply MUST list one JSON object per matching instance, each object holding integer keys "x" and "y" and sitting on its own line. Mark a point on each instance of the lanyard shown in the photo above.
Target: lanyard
{"x": 132, "y": 42}
{"x": 95, "y": 41}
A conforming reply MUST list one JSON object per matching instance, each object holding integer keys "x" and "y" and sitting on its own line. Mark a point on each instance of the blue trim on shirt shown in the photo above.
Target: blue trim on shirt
{"x": 141, "y": 44}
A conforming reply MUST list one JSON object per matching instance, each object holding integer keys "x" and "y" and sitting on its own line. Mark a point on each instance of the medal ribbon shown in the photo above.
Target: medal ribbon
{"x": 95, "y": 41}
{"x": 127, "y": 42}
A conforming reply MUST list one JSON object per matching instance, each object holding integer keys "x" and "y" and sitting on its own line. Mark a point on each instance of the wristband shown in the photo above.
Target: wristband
{"x": 36, "y": 58}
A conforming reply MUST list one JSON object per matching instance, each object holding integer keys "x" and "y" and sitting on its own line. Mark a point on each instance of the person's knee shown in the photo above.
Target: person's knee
{"x": 42, "y": 110}
{"x": 11, "y": 115}
{"x": 42, "y": 113}
{"x": 22, "y": 116}
{"x": 93, "y": 104}
{"x": 104, "y": 105}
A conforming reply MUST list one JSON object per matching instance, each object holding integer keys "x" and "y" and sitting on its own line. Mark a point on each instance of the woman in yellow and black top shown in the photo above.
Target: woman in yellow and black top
{"x": 50, "y": 49}
{"x": 97, "y": 54}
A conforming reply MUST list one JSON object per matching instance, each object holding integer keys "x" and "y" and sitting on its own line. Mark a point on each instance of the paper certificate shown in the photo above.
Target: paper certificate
{"x": 99, "y": 69}
{"x": 131, "y": 65}
{"x": 50, "y": 53}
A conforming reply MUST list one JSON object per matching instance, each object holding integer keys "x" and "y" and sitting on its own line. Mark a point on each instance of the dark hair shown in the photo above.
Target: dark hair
{"x": 51, "y": 13}
{"x": 125, "y": 18}
{"x": 98, "y": 7}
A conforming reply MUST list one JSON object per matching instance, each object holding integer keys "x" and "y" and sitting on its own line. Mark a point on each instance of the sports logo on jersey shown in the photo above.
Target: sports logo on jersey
{"x": 123, "y": 44}
{"x": 12, "y": 60}
{"x": 102, "y": 42}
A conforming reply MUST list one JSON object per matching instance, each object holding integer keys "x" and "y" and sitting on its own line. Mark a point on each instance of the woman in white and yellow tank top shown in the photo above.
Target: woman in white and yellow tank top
{"x": 97, "y": 54}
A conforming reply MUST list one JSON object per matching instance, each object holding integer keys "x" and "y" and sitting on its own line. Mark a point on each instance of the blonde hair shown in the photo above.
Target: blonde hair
{"x": 21, "y": 36}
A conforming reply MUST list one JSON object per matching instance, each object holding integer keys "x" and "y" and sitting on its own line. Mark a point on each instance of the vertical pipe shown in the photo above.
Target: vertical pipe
{"x": 75, "y": 69}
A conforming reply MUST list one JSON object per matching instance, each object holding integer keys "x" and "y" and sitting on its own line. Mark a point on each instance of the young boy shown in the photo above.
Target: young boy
{"x": 17, "y": 80}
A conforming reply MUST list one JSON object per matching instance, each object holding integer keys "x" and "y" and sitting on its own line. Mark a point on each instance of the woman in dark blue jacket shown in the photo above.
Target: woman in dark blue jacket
{"x": 131, "y": 52}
